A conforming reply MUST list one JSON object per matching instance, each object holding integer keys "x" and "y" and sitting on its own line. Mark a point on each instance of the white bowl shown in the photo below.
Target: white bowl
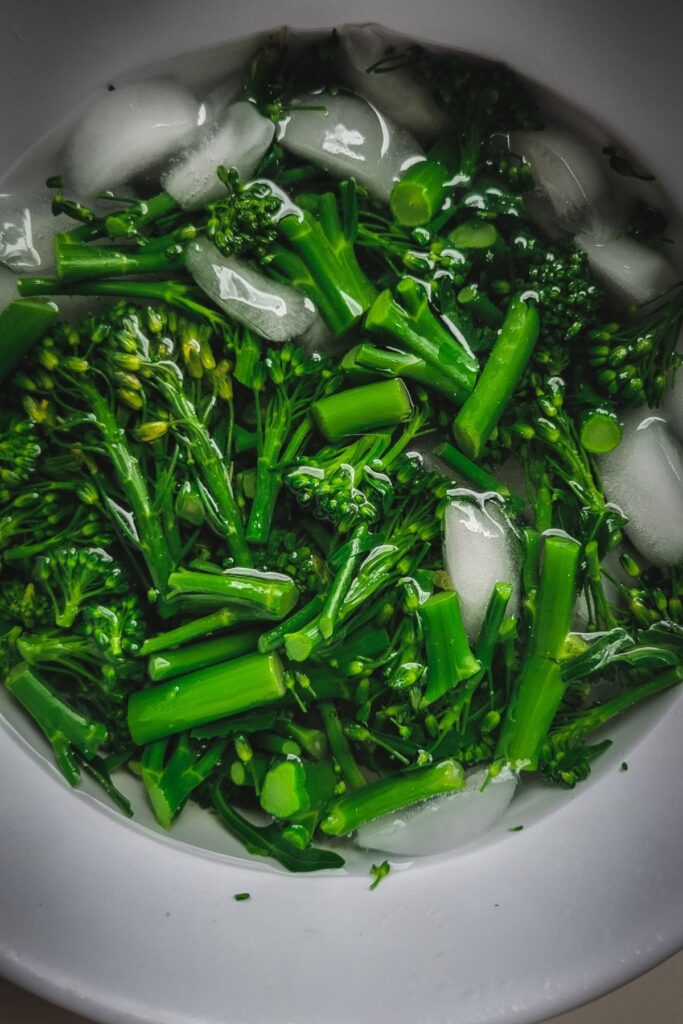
{"x": 121, "y": 923}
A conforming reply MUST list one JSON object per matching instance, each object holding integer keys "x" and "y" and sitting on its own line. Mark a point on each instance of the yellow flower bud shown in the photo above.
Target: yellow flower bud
{"x": 152, "y": 430}
{"x": 132, "y": 399}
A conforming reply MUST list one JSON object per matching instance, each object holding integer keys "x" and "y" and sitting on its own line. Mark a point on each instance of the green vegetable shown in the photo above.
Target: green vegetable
{"x": 205, "y": 695}
{"x": 511, "y": 352}
{"x": 22, "y": 324}
{"x": 367, "y": 408}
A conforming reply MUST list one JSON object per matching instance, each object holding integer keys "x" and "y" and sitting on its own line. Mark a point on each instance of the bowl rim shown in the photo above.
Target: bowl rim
{"x": 626, "y": 918}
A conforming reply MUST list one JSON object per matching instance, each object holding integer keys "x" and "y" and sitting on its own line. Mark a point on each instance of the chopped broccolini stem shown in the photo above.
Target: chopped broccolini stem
{"x": 420, "y": 193}
{"x": 204, "y": 696}
{"x": 367, "y": 408}
{"x": 502, "y": 371}
{"x": 171, "y": 663}
{"x": 449, "y": 657}
{"x": 385, "y": 796}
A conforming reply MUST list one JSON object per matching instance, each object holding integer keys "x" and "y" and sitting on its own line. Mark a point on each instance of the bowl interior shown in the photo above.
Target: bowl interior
{"x": 534, "y": 801}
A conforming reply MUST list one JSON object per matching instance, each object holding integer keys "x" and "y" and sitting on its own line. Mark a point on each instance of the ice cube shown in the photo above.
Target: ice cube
{"x": 633, "y": 272}
{"x": 403, "y": 95}
{"x": 127, "y": 131}
{"x": 27, "y": 231}
{"x": 443, "y": 823}
{"x": 349, "y": 137}
{"x": 240, "y": 141}
{"x": 673, "y": 402}
{"x": 644, "y": 477}
{"x": 573, "y": 181}
{"x": 481, "y": 549}
{"x": 275, "y": 311}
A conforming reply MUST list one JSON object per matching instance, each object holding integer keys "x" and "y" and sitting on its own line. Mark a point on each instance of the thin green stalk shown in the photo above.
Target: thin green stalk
{"x": 540, "y": 687}
{"x": 366, "y": 359}
{"x": 80, "y": 262}
{"x": 272, "y": 595}
{"x": 171, "y": 663}
{"x": 502, "y": 371}
{"x": 64, "y": 728}
{"x": 418, "y": 330}
{"x": 275, "y": 637}
{"x": 339, "y": 745}
{"x": 389, "y": 795}
{"x": 449, "y": 656}
{"x": 475, "y": 475}
{"x": 203, "y": 627}
{"x": 341, "y": 583}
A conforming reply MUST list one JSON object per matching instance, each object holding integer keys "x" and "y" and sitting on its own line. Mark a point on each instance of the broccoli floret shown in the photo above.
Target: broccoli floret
{"x": 19, "y": 452}
{"x": 74, "y": 577}
{"x": 635, "y": 360}
{"x": 23, "y": 605}
{"x": 244, "y": 221}
{"x": 569, "y": 299}
{"x": 118, "y": 626}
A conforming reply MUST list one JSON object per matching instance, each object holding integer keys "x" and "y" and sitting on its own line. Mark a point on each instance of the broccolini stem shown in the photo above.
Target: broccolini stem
{"x": 493, "y": 620}
{"x": 478, "y": 303}
{"x": 385, "y": 796}
{"x": 220, "y": 501}
{"x": 169, "y": 784}
{"x": 418, "y": 330}
{"x": 151, "y": 538}
{"x": 22, "y": 324}
{"x": 168, "y": 664}
{"x": 341, "y": 583}
{"x": 204, "y": 696}
{"x": 339, "y": 745}
{"x": 540, "y": 687}
{"x": 174, "y": 293}
{"x": 62, "y": 726}
{"x": 293, "y": 787}
{"x": 80, "y": 262}
{"x": 475, "y": 475}
{"x": 600, "y": 431}
{"x": 367, "y": 359}
{"x": 275, "y": 637}
{"x": 203, "y": 627}
{"x": 269, "y": 595}
{"x": 420, "y": 193}
{"x": 364, "y": 409}
{"x": 449, "y": 657}
{"x": 503, "y": 370}
{"x": 331, "y": 274}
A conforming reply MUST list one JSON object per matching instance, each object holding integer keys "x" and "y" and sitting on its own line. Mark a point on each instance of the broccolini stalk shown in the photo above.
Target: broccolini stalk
{"x": 168, "y": 664}
{"x": 283, "y": 423}
{"x": 202, "y": 627}
{"x": 449, "y": 657}
{"x": 269, "y": 841}
{"x": 149, "y": 535}
{"x": 170, "y": 781}
{"x": 502, "y": 371}
{"x": 367, "y": 360}
{"x": 174, "y": 293}
{"x": 204, "y": 696}
{"x": 323, "y": 264}
{"x": 540, "y": 687}
{"x": 83, "y": 262}
{"x": 301, "y": 618}
{"x": 63, "y": 727}
{"x": 370, "y": 407}
{"x": 339, "y": 745}
{"x": 475, "y": 475}
{"x": 419, "y": 194}
{"x": 341, "y": 583}
{"x": 391, "y": 794}
{"x": 600, "y": 431}
{"x": 294, "y": 787}
{"x": 160, "y": 361}
{"x": 268, "y": 595}
{"x": 22, "y": 323}
{"x": 413, "y": 326}
{"x": 565, "y": 758}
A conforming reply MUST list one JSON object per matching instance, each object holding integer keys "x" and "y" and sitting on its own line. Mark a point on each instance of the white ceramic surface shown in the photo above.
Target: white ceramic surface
{"x": 124, "y": 925}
